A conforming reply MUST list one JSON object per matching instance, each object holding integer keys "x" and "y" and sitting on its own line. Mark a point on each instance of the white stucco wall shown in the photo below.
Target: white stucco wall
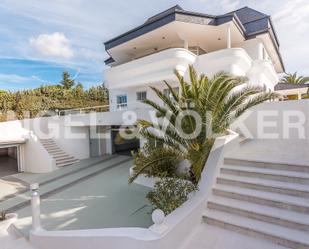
{"x": 283, "y": 120}
{"x": 34, "y": 157}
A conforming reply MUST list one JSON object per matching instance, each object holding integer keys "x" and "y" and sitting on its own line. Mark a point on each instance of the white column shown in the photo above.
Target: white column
{"x": 186, "y": 45}
{"x": 299, "y": 95}
{"x": 228, "y": 36}
{"x": 35, "y": 206}
{"x": 260, "y": 51}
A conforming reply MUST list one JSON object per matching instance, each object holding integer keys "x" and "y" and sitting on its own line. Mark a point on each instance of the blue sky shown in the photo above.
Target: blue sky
{"x": 41, "y": 39}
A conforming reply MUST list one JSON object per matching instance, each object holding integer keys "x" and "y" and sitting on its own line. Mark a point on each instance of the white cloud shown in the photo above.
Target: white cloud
{"x": 56, "y": 45}
{"x": 13, "y": 78}
{"x": 229, "y": 5}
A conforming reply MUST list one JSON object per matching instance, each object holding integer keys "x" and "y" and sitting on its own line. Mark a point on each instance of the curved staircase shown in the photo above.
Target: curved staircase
{"x": 61, "y": 157}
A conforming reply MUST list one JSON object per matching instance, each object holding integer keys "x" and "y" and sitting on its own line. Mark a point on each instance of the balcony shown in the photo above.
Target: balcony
{"x": 158, "y": 67}
{"x": 234, "y": 61}
{"x": 149, "y": 69}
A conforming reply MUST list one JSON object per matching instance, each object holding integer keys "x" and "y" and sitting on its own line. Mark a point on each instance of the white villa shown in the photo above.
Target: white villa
{"x": 242, "y": 43}
{"x": 255, "y": 193}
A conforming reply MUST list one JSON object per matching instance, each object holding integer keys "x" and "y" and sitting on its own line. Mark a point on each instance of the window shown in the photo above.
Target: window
{"x": 141, "y": 96}
{"x": 168, "y": 93}
{"x": 122, "y": 101}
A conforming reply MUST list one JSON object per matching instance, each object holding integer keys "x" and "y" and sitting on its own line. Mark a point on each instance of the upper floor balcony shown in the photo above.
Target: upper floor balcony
{"x": 149, "y": 69}
{"x": 157, "y": 67}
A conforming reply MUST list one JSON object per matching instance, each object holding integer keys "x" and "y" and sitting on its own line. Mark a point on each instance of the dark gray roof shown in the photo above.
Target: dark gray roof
{"x": 287, "y": 86}
{"x": 166, "y": 12}
{"x": 251, "y": 22}
{"x": 247, "y": 15}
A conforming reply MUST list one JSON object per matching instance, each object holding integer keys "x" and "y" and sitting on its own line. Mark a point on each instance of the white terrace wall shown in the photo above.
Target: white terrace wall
{"x": 35, "y": 157}
{"x": 73, "y": 140}
{"x": 276, "y": 120}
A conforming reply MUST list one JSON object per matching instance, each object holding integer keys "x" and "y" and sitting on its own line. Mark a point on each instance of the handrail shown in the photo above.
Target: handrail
{"x": 102, "y": 108}
{"x": 105, "y": 108}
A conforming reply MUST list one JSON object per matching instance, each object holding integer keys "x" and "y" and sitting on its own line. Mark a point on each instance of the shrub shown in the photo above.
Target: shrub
{"x": 170, "y": 193}
{"x": 155, "y": 162}
{"x": 2, "y": 215}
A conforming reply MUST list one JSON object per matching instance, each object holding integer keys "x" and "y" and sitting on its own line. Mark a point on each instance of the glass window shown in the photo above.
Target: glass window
{"x": 141, "y": 96}
{"x": 122, "y": 101}
{"x": 168, "y": 93}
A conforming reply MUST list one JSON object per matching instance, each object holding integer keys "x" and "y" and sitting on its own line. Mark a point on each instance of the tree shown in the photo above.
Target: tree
{"x": 67, "y": 82}
{"x": 216, "y": 102}
{"x": 294, "y": 79}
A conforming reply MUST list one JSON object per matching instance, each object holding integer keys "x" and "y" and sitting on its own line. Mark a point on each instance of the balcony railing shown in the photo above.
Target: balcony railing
{"x": 102, "y": 108}
{"x": 149, "y": 69}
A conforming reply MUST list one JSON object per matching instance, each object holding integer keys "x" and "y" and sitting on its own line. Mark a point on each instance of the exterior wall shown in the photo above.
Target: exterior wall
{"x": 33, "y": 157}
{"x": 133, "y": 104}
{"x": 73, "y": 140}
{"x": 36, "y": 158}
{"x": 281, "y": 118}
{"x": 255, "y": 49}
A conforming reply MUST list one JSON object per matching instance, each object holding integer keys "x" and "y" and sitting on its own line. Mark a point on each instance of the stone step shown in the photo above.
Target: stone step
{"x": 54, "y": 150}
{"x": 278, "y": 175}
{"x": 59, "y": 153}
{"x": 277, "y": 234}
{"x": 65, "y": 159}
{"x": 293, "y": 189}
{"x": 276, "y": 216}
{"x": 46, "y": 140}
{"x": 61, "y": 156}
{"x": 63, "y": 164}
{"x": 51, "y": 146}
{"x": 292, "y": 203}
{"x": 268, "y": 165}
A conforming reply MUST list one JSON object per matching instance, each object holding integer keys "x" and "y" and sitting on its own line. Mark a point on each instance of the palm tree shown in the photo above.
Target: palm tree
{"x": 217, "y": 103}
{"x": 294, "y": 79}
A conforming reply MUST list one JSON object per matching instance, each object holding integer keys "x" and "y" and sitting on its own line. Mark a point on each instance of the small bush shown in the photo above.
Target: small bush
{"x": 155, "y": 162}
{"x": 2, "y": 216}
{"x": 170, "y": 193}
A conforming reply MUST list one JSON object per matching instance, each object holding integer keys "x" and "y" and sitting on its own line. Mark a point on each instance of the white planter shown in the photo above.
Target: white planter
{"x": 10, "y": 218}
{"x": 144, "y": 180}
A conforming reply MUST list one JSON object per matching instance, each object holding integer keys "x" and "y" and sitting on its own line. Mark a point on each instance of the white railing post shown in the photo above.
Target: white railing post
{"x": 228, "y": 36}
{"x": 35, "y": 207}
